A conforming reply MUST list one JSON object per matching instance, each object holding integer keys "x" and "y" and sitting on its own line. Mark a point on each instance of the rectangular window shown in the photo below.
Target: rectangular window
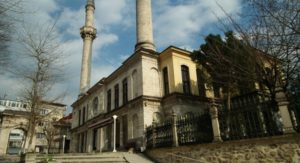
{"x": 185, "y": 80}
{"x": 79, "y": 117}
{"x": 83, "y": 115}
{"x": 125, "y": 91}
{"x": 200, "y": 82}
{"x": 40, "y": 135}
{"x": 108, "y": 100}
{"x": 44, "y": 112}
{"x": 166, "y": 80}
{"x": 116, "y": 96}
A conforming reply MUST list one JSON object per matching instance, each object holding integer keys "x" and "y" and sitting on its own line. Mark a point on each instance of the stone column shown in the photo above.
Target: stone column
{"x": 115, "y": 125}
{"x": 63, "y": 143}
{"x": 284, "y": 112}
{"x": 215, "y": 123}
{"x": 88, "y": 34}
{"x": 4, "y": 136}
{"x": 174, "y": 130}
{"x": 144, "y": 25}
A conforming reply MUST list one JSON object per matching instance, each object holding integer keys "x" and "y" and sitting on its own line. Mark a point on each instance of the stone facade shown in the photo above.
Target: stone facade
{"x": 264, "y": 150}
{"x": 146, "y": 102}
{"x": 138, "y": 92}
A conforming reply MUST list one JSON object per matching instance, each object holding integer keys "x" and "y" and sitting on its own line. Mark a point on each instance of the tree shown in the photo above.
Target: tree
{"x": 51, "y": 133}
{"x": 273, "y": 27}
{"x": 40, "y": 67}
{"x": 229, "y": 64}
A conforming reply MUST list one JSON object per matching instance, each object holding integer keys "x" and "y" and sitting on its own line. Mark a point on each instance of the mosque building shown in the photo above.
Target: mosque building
{"x": 148, "y": 87}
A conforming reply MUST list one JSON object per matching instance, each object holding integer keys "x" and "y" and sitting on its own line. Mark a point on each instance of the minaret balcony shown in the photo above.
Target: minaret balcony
{"x": 88, "y": 31}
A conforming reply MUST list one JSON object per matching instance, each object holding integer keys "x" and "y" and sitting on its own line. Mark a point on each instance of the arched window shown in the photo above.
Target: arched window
{"x": 166, "y": 80}
{"x": 95, "y": 105}
{"x": 185, "y": 79}
{"x": 154, "y": 81}
{"x": 83, "y": 115}
{"x": 109, "y": 100}
{"x": 116, "y": 96}
{"x": 135, "y": 123}
{"x": 134, "y": 84}
{"x": 200, "y": 83}
{"x": 125, "y": 91}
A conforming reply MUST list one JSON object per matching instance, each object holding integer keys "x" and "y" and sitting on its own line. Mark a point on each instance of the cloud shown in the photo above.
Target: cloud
{"x": 175, "y": 22}
{"x": 178, "y": 23}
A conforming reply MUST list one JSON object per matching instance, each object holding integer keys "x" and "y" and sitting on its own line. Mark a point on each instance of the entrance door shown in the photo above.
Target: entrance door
{"x": 95, "y": 133}
{"x": 109, "y": 136}
{"x": 82, "y": 143}
{"x": 15, "y": 141}
{"x": 125, "y": 129}
{"x": 118, "y": 132}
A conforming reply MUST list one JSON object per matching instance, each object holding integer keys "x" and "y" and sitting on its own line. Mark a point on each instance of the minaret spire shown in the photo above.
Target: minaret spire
{"x": 144, "y": 25}
{"x": 88, "y": 34}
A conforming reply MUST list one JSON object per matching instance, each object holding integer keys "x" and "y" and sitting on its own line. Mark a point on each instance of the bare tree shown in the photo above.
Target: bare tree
{"x": 40, "y": 67}
{"x": 51, "y": 133}
{"x": 272, "y": 28}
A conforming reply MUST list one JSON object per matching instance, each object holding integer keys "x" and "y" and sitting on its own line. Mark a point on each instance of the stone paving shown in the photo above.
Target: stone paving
{"x": 109, "y": 157}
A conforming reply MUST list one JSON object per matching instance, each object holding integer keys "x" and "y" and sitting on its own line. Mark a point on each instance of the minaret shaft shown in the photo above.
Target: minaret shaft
{"x": 88, "y": 34}
{"x": 144, "y": 25}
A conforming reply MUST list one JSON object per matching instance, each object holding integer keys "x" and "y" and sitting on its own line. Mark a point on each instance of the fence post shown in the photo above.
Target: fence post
{"x": 153, "y": 134}
{"x": 215, "y": 122}
{"x": 284, "y": 112}
{"x": 174, "y": 130}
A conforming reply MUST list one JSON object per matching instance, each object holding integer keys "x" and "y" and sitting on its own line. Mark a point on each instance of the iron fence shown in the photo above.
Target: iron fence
{"x": 162, "y": 133}
{"x": 149, "y": 136}
{"x": 250, "y": 116}
{"x": 191, "y": 129}
{"x": 295, "y": 117}
{"x": 194, "y": 129}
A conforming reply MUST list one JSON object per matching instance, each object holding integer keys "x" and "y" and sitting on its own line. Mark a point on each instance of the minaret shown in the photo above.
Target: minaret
{"x": 88, "y": 33}
{"x": 144, "y": 25}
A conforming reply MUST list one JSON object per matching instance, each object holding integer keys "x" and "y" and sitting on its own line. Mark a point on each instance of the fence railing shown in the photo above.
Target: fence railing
{"x": 191, "y": 129}
{"x": 295, "y": 117}
{"x": 250, "y": 122}
{"x": 250, "y": 116}
{"x": 194, "y": 129}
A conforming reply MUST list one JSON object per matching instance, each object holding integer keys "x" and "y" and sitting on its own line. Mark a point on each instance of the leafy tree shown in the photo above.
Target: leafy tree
{"x": 229, "y": 63}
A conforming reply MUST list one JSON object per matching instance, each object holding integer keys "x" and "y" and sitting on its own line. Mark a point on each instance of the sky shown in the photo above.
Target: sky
{"x": 182, "y": 23}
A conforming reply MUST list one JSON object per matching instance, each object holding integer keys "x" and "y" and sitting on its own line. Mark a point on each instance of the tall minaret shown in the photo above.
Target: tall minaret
{"x": 144, "y": 25}
{"x": 88, "y": 33}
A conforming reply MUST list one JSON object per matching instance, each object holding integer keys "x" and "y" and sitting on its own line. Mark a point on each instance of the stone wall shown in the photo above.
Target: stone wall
{"x": 264, "y": 150}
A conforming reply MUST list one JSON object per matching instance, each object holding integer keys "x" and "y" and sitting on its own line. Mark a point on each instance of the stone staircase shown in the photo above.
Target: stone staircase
{"x": 107, "y": 157}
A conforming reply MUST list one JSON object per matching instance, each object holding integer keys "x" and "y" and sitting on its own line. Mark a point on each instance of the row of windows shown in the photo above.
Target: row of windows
{"x": 12, "y": 104}
{"x": 186, "y": 86}
{"x": 95, "y": 103}
{"x": 117, "y": 95}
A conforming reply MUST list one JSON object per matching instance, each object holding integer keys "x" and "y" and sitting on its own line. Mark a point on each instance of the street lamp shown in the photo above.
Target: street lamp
{"x": 115, "y": 117}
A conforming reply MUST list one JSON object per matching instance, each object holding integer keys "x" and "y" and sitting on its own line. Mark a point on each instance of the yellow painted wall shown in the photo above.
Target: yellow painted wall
{"x": 173, "y": 58}
{"x": 166, "y": 60}
{"x": 178, "y": 61}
